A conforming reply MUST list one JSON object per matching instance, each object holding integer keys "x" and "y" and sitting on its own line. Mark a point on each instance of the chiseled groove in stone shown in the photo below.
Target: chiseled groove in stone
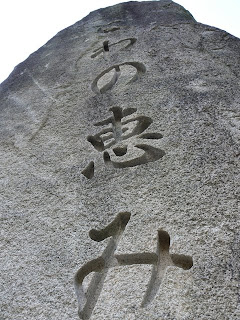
{"x": 160, "y": 261}
{"x": 120, "y": 151}
{"x": 151, "y": 154}
{"x": 151, "y": 135}
{"x": 88, "y": 172}
{"x": 140, "y": 69}
{"x": 108, "y": 47}
{"x": 86, "y": 303}
{"x": 164, "y": 260}
{"x": 116, "y": 132}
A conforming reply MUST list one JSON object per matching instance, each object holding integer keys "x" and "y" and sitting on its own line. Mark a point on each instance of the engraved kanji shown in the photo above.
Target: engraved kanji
{"x": 160, "y": 261}
{"x": 123, "y": 140}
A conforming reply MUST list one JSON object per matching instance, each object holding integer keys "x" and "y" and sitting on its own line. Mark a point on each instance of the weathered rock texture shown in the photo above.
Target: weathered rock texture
{"x": 134, "y": 109}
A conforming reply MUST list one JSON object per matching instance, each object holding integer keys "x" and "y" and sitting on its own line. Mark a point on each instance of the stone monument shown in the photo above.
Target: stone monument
{"x": 120, "y": 171}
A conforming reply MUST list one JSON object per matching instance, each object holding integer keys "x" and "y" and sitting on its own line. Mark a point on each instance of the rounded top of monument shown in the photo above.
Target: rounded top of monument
{"x": 142, "y": 13}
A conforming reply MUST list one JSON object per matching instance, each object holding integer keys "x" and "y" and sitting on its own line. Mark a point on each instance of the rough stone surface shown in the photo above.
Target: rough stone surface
{"x": 170, "y": 158}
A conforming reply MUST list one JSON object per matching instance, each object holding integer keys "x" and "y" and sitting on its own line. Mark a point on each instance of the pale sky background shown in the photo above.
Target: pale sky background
{"x": 26, "y": 25}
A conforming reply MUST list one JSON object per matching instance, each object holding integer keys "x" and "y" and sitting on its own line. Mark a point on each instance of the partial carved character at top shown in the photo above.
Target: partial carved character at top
{"x": 160, "y": 261}
{"x": 116, "y": 46}
{"x": 110, "y": 27}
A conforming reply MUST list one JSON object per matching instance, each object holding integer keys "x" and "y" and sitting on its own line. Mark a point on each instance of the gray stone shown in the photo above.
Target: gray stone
{"x": 125, "y": 124}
